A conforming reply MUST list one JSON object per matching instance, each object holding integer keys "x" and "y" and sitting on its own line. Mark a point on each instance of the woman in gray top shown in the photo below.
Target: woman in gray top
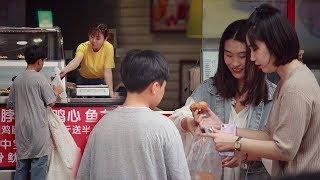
{"x": 238, "y": 93}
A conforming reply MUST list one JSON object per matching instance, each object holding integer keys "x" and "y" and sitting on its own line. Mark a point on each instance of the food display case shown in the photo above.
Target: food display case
{"x": 13, "y": 42}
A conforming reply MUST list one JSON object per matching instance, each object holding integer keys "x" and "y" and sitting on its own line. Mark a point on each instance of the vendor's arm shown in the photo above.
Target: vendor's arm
{"x": 108, "y": 80}
{"x": 73, "y": 64}
{"x": 108, "y": 65}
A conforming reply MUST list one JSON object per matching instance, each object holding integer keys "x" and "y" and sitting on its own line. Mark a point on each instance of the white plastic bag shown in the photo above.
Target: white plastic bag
{"x": 203, "y": 160}
{"x": 57, "y": 81}
{"x": 57, "y": 168}
{"x": 66, "y": 155}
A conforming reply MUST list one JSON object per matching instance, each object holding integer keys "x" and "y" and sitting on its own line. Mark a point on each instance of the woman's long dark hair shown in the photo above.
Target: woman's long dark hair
{"x": 226, "y": 84}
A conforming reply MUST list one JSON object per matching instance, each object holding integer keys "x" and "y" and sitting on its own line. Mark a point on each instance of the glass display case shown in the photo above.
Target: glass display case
{"x": 13, "y": 42}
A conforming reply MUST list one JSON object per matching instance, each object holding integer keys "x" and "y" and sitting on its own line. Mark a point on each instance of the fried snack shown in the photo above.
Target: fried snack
{"x": 4, "y": 92}
{"x": 3, "y": 57}
{"x": 203, "y": 176}
{"x": 71, "y": 85}
{"x": 200, "y": 106}
{"x": 20, "y": 56}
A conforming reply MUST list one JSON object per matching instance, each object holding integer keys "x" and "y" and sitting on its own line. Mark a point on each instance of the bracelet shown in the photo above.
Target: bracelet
{"x": 236, "y": 130}
{"x": 246, "y": 158}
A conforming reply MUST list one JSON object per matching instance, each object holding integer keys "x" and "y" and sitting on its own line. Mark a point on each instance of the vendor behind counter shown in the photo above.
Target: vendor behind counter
{"x": 96, "y": 57}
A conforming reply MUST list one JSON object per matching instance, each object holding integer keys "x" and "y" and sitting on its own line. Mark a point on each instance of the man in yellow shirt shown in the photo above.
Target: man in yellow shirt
{"x": 96, "y": 57}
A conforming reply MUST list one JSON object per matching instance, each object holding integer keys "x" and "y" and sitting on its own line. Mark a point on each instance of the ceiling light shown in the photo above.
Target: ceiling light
{"x": 22, "y": 43}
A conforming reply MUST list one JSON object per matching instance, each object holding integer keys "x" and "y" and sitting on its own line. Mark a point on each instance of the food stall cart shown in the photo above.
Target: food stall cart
{"x": 79, "y": 114}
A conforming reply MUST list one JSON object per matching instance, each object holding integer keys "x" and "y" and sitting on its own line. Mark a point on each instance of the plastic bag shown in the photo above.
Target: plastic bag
{"x": 57, "y": 81}
{"x": 57, "y": 168}
{"x": 66, "y": 155}
{"x": 203, "y": 160}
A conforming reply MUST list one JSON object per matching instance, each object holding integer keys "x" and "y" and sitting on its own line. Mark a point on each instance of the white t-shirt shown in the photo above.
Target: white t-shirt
{"x": 240, "y": 119}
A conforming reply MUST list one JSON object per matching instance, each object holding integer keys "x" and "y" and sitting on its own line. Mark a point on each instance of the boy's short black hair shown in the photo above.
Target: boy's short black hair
{"x": 269, "y": 25}
{"x": 33, "y": 53}
{"x": 141, "y": 67}
{"x": 98, "y": 28}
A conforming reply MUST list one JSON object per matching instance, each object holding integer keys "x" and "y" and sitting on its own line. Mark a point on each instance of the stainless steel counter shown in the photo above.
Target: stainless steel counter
{"x": 93, "y": 101}
{"x": 3, "y": 99}
{"x": 82, "y": 101}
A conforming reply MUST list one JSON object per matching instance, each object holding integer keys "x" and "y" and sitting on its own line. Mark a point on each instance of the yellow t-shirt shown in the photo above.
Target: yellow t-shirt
{"x": 93, "y": 64}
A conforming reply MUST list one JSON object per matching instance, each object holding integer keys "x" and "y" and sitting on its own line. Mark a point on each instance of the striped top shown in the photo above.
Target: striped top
{"x": 294, "y": 122}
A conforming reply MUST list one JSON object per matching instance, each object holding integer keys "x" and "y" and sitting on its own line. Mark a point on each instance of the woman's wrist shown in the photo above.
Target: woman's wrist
{"x": 66, "y": 69}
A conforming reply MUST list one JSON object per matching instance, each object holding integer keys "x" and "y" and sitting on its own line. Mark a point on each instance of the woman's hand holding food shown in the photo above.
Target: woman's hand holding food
{"x": 204, "y": 116}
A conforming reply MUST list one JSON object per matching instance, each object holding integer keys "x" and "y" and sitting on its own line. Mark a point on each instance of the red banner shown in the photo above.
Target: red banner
{"x": 79, "y": 120}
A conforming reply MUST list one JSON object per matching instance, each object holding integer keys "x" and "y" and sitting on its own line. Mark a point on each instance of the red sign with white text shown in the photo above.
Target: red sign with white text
{"x": 79, "y": 120}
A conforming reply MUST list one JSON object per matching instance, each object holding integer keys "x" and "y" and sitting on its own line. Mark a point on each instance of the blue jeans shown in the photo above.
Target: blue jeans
{"x": 36, "y": 168}
{"x": 255, "y": 170}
